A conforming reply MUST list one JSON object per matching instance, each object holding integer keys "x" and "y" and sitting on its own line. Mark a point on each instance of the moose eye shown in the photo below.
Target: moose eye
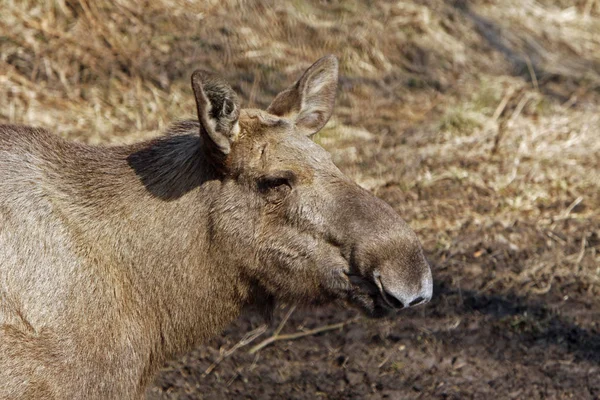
{"x": 276, "y": 185}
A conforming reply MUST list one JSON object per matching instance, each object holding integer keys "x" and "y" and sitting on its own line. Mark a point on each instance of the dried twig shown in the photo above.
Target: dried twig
{"x": 531, "y": 72}
{"x": 284, "y": 320}
{"x": 572, "y": 206}
{"x": 541, "y": 290}
{"x": 581, "y": 251}
{"x": 519, "y": 108}
{"x": 500, "y": 109}
{"x": 506, "y": 123}
{"x": 234, "y": 377}
{"x": 297, "y": 335}
{"x": 247, "y": 339}
{"x": 566, "y": 213}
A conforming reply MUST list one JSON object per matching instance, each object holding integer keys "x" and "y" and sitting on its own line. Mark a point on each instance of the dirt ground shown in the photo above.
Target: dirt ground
{"x": 468, "y": 343}
{"x": 476, "y": 120}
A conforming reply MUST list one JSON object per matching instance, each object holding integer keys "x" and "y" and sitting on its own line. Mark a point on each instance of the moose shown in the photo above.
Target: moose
{"x": 114, "y": 259}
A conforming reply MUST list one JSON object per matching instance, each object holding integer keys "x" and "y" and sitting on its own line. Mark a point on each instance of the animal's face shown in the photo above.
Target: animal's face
{"x": 297, "y": 226}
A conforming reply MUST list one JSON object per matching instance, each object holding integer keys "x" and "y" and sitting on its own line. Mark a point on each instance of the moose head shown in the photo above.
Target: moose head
{"x": 292, "y": 222}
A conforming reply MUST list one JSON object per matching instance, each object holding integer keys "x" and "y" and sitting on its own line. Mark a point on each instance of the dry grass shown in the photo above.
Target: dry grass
{"x": 477, "y": 120}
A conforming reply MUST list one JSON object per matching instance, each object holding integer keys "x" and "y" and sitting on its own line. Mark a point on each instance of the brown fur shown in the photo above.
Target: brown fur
{"x": 114, "y": 259}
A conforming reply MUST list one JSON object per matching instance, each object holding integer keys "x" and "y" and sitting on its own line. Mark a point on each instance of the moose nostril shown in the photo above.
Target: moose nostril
{"x": 399, "y": 298}
{"x": 394, "y": 302}
{"x": 416, "y": 301}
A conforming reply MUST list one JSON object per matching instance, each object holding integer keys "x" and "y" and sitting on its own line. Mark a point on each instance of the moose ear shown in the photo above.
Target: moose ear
{"x": 310, "y": 100}
{"x": 218, "y": 111}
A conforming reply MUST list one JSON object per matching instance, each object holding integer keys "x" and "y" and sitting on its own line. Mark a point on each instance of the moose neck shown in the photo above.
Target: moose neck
{"x": 143, "y": 212}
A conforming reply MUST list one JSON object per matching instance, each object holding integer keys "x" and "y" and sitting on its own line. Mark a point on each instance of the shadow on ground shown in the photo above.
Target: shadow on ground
{"x": 464, "y": 344}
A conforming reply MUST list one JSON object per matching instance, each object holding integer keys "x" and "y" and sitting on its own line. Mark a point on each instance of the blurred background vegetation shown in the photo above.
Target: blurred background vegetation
{"x": 477, "y": 120}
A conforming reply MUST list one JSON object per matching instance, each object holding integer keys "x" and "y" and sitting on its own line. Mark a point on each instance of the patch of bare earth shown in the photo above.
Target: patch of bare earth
{"x": 477, "y": 121}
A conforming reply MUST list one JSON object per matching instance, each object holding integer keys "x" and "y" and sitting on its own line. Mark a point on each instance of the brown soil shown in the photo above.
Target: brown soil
{"x": 476, "y": 120}
{"x": 467, "y": 343}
